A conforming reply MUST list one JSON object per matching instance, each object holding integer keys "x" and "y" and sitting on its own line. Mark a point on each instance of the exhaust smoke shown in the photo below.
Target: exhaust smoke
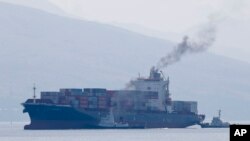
{"x": 203, "y": 40}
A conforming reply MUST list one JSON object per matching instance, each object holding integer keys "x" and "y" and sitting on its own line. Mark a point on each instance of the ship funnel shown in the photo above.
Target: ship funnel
{"x": 155, "y": 74}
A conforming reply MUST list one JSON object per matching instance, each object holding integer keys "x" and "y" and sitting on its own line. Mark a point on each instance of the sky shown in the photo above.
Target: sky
{"x": 166, "y": 19}
{"x": 171, "y": 20}
{"x": 164, "y": 15}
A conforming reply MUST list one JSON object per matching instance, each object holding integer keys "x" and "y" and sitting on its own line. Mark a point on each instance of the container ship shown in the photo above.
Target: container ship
{"x": 145, "y": 104}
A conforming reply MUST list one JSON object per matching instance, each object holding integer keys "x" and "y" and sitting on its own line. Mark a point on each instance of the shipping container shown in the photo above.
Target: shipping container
{"x": 75, "y": 103}
{"x": 96, "y": 91}
{"x": 63, "y": 102}
{"x": 53, "y": 96}
{"x": 103, "y": 107}
{"x": 83, "y": 98}
{"x": 61, "y": 94}
{"x": 83, "y": 106}
{"x": 102, "y": 104}
{"x": 49, "y": 94}
{"x": 84, "y": 102}
{"x": 102, "y": 97}
{"x": 71, "y": 91}
{"x": 92, "y": 102}
{"x": 111, "y": 93}
{"x": 92, "y": 106}
{"x": 92, "y": 98}
{"x": 185, "y": 106}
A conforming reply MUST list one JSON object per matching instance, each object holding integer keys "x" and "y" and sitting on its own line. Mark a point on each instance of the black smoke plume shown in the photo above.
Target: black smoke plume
{"x": 204, "y": 39}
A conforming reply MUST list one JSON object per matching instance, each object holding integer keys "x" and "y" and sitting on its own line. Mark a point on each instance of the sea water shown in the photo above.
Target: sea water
{"x": 14, "y": 132}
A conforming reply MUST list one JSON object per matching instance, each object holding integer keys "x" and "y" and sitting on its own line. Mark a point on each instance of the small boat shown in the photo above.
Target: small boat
{"x": 108, "y": 122}
{"x": 216, "y": 123}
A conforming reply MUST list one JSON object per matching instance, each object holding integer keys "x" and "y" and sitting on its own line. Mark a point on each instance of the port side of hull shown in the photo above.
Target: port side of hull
{"x": 45, "y": 116}
{"x": 162, "y": 120}
{"x": 58, "y": 117}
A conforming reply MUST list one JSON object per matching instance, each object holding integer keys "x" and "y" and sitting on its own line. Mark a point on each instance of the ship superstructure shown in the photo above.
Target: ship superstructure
{"x": 155, "y": 83}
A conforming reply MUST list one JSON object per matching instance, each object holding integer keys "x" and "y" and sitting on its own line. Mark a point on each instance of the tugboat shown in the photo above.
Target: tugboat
{"x": 216, "y": 123}
{"x": 108, "y": 122}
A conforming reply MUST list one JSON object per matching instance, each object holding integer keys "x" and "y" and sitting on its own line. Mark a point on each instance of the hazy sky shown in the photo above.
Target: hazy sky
{"x": 173, "y": 17}
{"x": 163, "y": 15}
{"x": 170, "y": 19}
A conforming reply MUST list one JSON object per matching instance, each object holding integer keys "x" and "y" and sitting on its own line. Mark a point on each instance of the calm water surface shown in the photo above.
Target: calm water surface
{"x": 15, "y": 132}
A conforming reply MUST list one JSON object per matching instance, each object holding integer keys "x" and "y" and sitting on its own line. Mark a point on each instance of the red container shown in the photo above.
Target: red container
{"x": 83, "y": 98}
{"x": 84, "y": 102}
{"x": 111, "y": 93}
{"x": 77, "y": 97}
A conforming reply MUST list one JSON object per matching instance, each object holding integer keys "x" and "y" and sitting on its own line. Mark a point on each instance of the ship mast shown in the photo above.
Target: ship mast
{"x": 219, "y": 114}
{"x": 34, "y": 94}
{"x": 164, "y": 78}
{"x": 168, "y": 86}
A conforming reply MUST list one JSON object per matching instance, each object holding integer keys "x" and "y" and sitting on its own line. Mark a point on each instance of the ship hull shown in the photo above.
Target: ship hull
{"x": 162, "y": 119}
{"x": 45, "y": 116}
{"x": 214, "y": 126}
{"x": 58, "y": 117}
{"x": 207, "y": 125}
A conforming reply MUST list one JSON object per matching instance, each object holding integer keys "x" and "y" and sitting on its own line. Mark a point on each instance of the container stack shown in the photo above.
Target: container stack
{"x": 69, "y": 96}
{"x": 83, "y": 101}
{"x": 94, "y": 91}
{"x": 70, "y": 92}
{"x": 103, "y": 102}
{"x": 63, "y": 100}
{"x": 92, "y": 100}
{"x": 53, "y": 96}
{"x": 135, "y": 100}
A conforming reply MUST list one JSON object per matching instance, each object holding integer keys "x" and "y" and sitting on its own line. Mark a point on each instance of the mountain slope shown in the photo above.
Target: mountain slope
{"x": 45, "y": 5}
{"x": 54, "y": 51}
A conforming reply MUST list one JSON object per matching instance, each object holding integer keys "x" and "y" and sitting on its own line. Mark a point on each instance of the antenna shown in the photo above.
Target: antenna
{"x": 163, "y": 75}
{"x": 34, "y": 96}
{"x": 168, "y": 85}
{"x": 219, "y": 113}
